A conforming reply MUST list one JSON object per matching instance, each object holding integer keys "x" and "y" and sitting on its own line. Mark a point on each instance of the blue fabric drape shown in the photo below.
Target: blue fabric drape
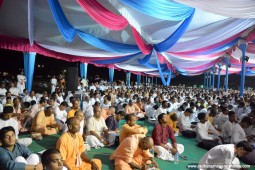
{"x": 138, "y": 80}
{"x": 226, "y": 79}
{"x": 29, "y": 64}
{"x": 128, "y": 77}
{"x": 145, "y": 59}
{"x": 243, "y": 48}
{"x": 83, "y": 70}
{"x": 162, "y": 9}
{"x": 145, "y": 62}
{"x": 218, "y": 83}
{"x": 172, "y": 39}
{"x": 116, "y": 60}
{"x": 164, "y": 82}
{"x": 69, "y": 32}
{"x": 111, "y": 75}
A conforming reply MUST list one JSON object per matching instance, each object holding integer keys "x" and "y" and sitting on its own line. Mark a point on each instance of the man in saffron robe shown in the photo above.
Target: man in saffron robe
{"x": 72, "y": 149}
{"x": 133, "y": 153}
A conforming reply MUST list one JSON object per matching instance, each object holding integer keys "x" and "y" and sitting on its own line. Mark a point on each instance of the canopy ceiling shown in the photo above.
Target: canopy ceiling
{"x": 149, "y": 37}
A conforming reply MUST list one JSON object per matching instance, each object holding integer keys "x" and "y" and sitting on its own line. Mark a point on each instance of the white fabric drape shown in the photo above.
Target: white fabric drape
{"x": 217, "y": 35}
{"x": 230, "y": 8}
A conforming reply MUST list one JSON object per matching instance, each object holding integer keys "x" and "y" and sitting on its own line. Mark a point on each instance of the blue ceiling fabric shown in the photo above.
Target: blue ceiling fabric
{"x": 145, "y": 62}
{"x": 108, "y": 45}
{"x": 173, "y": 38}
{"x": 145, "y": 59}
{"x": 162, "y": 9}
{"x": 116, "y": 60}
{"x": 66, "y": 29}
{"x": 69, "y": 32}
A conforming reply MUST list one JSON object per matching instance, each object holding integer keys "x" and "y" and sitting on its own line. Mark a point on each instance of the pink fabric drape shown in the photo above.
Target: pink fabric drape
{"x": 161, "y": 58}
{"x": 251, "y": 48}
{"x": 251, "y": 36}
{"x": 19, "y": 44}
{"x": 102, "y": 15}
{"x": 146, "y": 49}
{"x": 204, "y": 66}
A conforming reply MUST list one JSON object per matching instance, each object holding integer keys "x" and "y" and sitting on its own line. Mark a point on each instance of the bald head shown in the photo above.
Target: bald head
{"x": 146, "y": 143}
{"x": 73, "y": 124}
{"x": 71, "y": 121}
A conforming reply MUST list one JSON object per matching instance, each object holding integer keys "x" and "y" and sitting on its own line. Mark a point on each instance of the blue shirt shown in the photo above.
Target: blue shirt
{"x": 7, "y": 157}
{"x": 111, "y": 123}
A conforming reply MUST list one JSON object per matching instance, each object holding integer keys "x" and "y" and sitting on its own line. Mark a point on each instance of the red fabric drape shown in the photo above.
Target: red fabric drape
{"x": 102, "y": 15}
{"x": 146, "y": 49}
{"x": 19, "y": 44}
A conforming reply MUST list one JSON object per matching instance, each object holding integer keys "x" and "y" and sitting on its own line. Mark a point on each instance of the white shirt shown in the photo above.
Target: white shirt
{"x": 222, "y": 119}
{"x": 85, "y": 105}
{"x": 226, "y": 131}
{"x": 89, "y": 112}
{"x": 35, "y": 109}
{"x": 184, "y": 122}
{"x": 202, "y": 130}
{"x": 92, "y": 88}
{"x": 1, "y": 108}
{"x": 219, "y": 155}
{"x": 60, "y": 99}
{"x": 237, "y": 134}
{"x": 97, "y": 126}
{"x": 60, "y": 114}
{"x": 29, "y": 98}
{"x": 14, "y": 91}
{"x": 53, "y": 81}
{"x": 3, "y": 91}
{"x": 10, "y": 122}
{"x": 159, "y": 111}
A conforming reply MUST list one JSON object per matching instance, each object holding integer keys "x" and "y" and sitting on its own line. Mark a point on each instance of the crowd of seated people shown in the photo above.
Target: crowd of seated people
{"x": 212, "y": 118}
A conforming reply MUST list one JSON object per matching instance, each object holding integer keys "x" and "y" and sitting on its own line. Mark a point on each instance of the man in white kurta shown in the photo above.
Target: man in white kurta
{"x": 226, "y": 130}
{"x": 238, "y": 133}
{"x": 97, "y": 130}
{"x": 21, "y": 82}
{"x": 53, "y": 82}
{"x": 224, "y": 156}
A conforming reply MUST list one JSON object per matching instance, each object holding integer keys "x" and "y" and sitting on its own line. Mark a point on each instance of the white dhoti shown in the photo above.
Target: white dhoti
{"x": 25, "y": 141}
{"x": 33, "y": 159}
{"x": 164, "y": 154}
{"x": 92, "y": 141}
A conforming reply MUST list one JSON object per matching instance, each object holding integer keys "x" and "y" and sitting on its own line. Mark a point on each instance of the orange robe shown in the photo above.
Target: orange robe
{"x": 128, "y": 151}
{"x": 132, "y": 109}
{"x": 40, "y": 121}
{"x": 71, "y": 113}
{"x": 127, "y": 131}
{"x": 172, "y": 124}
{"x": 71, "y": 149}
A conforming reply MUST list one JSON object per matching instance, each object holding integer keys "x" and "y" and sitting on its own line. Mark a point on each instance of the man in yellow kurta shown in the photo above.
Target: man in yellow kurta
{"x": 76, "y": 107}
{"x": 133, "y": 153}
{"x": 44, "y": 122}
{"x": 131, "y": 128}
{"x": 72, "y": 149}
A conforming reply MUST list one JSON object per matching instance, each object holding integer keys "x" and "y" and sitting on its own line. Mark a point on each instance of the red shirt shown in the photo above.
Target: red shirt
{"x": 161, "y": 134}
